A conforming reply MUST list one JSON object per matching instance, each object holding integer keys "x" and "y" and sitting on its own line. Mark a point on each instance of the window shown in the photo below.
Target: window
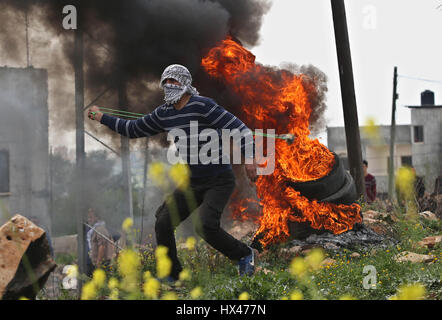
{"x": 4, "y": 171}
{"x": 406, "y": 161}
{"x": 418, "y": 134}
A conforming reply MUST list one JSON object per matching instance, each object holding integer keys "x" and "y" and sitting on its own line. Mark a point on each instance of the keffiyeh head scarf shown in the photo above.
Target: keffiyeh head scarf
{"x": 173, "y": 92}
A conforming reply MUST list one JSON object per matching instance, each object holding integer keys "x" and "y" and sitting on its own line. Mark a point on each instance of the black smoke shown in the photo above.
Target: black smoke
{"x": 132, "y": 41}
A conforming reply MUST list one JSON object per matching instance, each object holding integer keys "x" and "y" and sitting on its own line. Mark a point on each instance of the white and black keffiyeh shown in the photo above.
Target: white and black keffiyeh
{"x": 173, "y": 93}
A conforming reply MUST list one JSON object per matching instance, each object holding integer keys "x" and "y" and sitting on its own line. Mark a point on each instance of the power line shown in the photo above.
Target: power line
{"x": 420, "y": 79}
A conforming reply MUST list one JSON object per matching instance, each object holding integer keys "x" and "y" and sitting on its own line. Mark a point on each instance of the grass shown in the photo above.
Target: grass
{"x": 217, "y": 277}
{"x": 344, "y": 277}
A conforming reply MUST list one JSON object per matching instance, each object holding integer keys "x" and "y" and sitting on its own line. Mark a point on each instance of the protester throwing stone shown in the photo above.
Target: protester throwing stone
{"x": 211, "y": 183}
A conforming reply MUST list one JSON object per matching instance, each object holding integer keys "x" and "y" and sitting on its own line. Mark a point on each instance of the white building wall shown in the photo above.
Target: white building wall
{"x": 427, "y": 155}
{"x": 24, "y": 134}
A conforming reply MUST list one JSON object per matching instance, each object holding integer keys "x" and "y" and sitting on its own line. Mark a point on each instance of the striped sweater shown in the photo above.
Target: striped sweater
{"x": 166, "y": 118}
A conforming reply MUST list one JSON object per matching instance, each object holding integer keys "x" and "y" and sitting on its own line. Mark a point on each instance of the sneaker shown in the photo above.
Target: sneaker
{"x": 170, "y": 281}
{"x": 246, "y": 264}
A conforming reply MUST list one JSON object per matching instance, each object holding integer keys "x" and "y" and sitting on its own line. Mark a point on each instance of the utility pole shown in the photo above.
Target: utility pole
{"x": 125, "y": 152}
{"x": 392, "y": 139}
{"x": 80, "y": 150}
{"x": 348, "y": 95}
{"x": 28, "y": 60}
{"x": 146, "y": 155}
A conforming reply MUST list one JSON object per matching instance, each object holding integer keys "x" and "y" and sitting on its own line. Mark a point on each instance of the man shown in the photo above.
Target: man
{"x": 370, "y": 183}
{"x": 101, "y": 250}
{"x": 212, "y": 183}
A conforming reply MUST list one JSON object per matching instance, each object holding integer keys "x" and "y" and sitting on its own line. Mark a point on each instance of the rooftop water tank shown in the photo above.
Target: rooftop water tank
{"x": 427, "y": 98}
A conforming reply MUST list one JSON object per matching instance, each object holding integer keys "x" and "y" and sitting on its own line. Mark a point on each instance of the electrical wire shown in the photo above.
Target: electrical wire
{"x": 420, "y": 79}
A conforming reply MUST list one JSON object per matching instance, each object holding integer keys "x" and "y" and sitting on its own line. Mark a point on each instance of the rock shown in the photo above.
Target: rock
{"x": 378, "y": 226}
{"x": 381, "y": 228}
{"x": 327, "y": 262}
{"x": 266, "y": 271}
{"x": 20, "y": 238}
{"x": 413, "y": 257}
{"x": 240, "y": 229}
{"x": 290, "y": 253}
{"x": 430, "y": 242}
{"x": 371, "y": 214}
{"x": 428, "y": 215}
{"x": 355, "y": 255}
{"x": 295, "y": 249}
{"x": 369, "y": 221}
{"x": 330, "y": 246}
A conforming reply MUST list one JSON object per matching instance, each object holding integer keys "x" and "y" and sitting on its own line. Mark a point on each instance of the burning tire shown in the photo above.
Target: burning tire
{"x": 347, "y": 194}
{"x": 326, "y": 186}
{"x": 337, "y": 187}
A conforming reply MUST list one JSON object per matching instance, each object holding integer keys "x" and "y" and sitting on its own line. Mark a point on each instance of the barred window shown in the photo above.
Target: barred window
{"x": 418, "y": 134}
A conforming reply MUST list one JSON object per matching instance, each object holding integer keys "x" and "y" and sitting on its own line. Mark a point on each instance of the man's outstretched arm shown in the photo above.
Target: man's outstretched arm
{"x": 146, "y": 126}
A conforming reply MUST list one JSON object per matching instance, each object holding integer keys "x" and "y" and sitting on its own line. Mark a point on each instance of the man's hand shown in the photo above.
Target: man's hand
{"x": 94, "y": 113}
{"x": 251, "y": 171}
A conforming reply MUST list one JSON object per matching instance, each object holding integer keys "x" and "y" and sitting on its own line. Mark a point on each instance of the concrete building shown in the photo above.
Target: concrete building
{"x": 24, "y": 158}
{"x": 426, "y": 138}
{"x": 418, "y": 145}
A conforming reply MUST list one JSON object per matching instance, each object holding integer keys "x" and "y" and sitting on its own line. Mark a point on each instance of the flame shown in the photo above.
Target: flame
{"x": 278, "y": 99}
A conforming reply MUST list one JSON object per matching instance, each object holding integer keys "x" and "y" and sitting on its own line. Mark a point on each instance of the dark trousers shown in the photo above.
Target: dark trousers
{"x": 211, "y": 195}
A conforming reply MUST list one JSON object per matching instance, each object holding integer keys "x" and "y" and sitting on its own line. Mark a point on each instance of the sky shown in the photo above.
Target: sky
{"x": 383, "y": 34}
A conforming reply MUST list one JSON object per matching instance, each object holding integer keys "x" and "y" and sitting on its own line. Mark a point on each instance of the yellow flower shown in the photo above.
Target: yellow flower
{"x": 151, "y": 288}
{"x": 161, "y": 251}
{"x": 314, "y": 258}
{"x": 169, "y": 296}
{"x": 371, "y": 131}
{"x": 284, "y": 298}
{"x": 23, "y": 298}
{"x": 164, "y": 266}
{"x": 185, "y": 275}
{"x": 147, "y": 275}
{"x": 157, "y": 173}
{"x": 244, "y": 296}
{"x": 347, "y": 297}
{"x": 113, "y": 283}
{"x": 411, "y": 292}
{"x": 89, "y": 291}
{"x": 405, "y": 181}
{"x": 127, "y": 224}
{"x": 180, "y": 175}
{"x": 190, "y": 243}
{"x": 114, "y": 294}
{"x": 296, "y": 295}
{"x": 196, "y": 293}
{"x": 99, "y": 277}
{"x": 128, "y": 262}
{"x": 72, "y": 271}
{"x": 298, "y": 267}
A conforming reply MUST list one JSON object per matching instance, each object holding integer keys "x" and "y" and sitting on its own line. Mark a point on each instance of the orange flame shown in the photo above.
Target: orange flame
{"x": 279, "y": 99}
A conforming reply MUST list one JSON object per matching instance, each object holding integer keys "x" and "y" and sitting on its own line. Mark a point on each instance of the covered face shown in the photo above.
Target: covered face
{"x": 174, "y": 92}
